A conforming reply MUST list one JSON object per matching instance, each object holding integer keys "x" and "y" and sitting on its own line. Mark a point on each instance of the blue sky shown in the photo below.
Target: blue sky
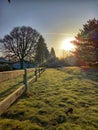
{"x": 56, "y": 20}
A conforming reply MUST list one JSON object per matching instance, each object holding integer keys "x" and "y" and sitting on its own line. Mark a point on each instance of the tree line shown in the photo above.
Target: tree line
{"x": 24, "y": 43}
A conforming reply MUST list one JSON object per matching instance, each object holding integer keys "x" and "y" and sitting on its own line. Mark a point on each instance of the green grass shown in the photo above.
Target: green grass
{"x": 45, "y": 106}
{"x": 9, "y": 86}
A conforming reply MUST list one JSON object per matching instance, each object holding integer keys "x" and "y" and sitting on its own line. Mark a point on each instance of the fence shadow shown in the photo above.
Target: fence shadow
{"x": 10, "y": 89}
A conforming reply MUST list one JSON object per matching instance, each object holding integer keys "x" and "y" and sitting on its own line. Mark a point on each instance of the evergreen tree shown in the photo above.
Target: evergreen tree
{"x": 53, "y": 55}
{"x": 41, "y": 51}
{"x": 87, "y": 42}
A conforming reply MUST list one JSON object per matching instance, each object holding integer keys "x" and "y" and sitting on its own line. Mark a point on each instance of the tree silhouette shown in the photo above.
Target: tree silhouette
{"x": 41, "y": 51}
{"x": 87, "y": 42}
{"x": 53, "y": 53}
{"x": 20, "y": 42}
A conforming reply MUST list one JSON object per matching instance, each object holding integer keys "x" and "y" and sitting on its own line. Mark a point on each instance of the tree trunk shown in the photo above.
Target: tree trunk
{"x": 21, "y": 63}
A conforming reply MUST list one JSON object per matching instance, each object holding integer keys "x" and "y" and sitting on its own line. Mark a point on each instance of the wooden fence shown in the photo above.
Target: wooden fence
{"x": 10, "y": 74}
{"x": 4, "y": 104}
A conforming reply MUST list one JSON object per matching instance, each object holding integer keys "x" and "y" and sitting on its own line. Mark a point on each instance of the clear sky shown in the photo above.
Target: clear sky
{"x": 56, "y": 20}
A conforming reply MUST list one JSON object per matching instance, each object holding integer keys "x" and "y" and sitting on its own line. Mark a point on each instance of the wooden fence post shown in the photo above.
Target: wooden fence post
{"x": 25, "y": 79}
{"x": 36, "y": 74}
{"x": 39, "y": 72}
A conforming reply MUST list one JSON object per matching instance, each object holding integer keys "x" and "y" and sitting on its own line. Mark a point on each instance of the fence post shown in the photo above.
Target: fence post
{"x": 36, "y": 74}
{"x": 25, "y": 79}
{"x": 39, "y": 72}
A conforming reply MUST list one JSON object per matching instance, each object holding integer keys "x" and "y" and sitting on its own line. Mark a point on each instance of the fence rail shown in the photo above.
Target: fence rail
{"x": 10, "y": 74}
{"x": 5, "y": 103}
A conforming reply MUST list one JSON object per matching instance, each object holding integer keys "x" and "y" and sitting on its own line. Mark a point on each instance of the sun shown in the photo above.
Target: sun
{"x": 67, "y": 45}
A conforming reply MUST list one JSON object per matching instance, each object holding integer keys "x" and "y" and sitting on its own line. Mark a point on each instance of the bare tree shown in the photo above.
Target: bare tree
{"x": 20, "y": 42}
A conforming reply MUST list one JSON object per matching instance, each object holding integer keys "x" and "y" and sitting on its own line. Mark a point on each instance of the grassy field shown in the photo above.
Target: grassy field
{"x": 9, "y": 86}
{"x": 13, "y": 83}
{"x": 57, "y": 90}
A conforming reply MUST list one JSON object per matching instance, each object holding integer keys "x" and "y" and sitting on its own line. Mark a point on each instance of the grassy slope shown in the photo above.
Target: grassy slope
{"x": 49, "y": 99}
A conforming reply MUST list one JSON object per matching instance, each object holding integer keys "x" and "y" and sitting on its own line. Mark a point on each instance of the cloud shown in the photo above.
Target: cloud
{"x": 52, "y": 33}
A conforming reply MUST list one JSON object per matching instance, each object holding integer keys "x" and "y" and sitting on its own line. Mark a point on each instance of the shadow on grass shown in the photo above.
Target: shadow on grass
{"x": 9, "y": 90}
{"x": 90, "y": 73}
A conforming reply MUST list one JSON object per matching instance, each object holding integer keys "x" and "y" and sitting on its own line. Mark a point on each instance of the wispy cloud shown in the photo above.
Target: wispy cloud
{"x": 52, "y": 33}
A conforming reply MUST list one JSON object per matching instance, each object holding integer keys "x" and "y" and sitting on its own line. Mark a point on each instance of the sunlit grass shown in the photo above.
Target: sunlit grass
{"x": 45, "y": 106}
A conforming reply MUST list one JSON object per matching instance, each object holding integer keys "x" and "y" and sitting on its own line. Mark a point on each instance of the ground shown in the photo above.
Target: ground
{"x": 45, "y": 105}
